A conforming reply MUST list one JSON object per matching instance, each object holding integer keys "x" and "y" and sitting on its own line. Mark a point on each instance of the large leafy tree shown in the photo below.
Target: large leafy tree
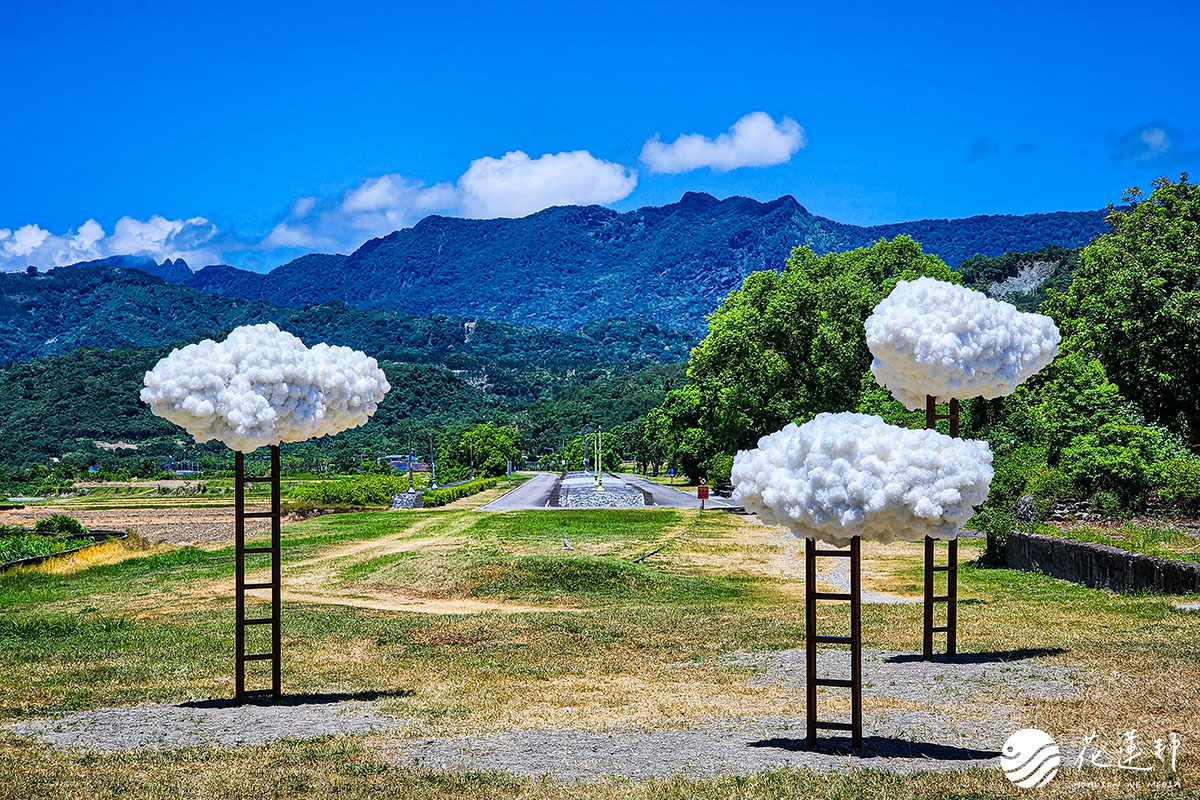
{"x": 1135, "y": 304}
{"x": 489, "y": 447}
{"x": 786, "y": 346}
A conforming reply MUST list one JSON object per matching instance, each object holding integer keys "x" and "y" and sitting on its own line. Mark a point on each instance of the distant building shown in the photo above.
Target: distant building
{"x": 402, "y": 463}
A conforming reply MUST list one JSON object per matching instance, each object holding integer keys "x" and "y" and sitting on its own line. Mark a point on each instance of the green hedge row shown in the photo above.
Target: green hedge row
{"x": 352, "y": 492}
{"x": 440, "y": 497}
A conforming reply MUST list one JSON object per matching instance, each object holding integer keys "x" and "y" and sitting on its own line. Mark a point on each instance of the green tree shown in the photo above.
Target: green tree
{"x": 587, "y": 443}
{"x": 491, "y": 447}
{"x": 785, "y": 347}
{"x": 1135, "y": 304}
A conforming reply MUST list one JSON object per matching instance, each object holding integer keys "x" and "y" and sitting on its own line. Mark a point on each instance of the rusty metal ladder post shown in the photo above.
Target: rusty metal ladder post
{"x": 275, "y": 584}
{"x": 812, "y": 639}
{"x": 950, "y": 598}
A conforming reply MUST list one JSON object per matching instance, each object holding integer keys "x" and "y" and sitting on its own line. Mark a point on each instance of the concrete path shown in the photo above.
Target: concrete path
{"x": 533, "y": 493}
{"x": 670, "y": 497}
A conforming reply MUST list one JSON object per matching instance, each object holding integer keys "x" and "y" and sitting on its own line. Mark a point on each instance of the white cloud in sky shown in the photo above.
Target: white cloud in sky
{"x": 513, "y": 185}
{"x": 375, "y": 207}
{"x": 194, "y": 240}
{"x": 517, "y": 185}
{"x": 755, "y": 140}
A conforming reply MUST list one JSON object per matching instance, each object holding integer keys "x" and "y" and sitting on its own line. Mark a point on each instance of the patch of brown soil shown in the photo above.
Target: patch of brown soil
{"x": 156, "y": 525}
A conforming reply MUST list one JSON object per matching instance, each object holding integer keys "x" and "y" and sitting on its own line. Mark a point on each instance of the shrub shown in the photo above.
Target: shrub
{"x": 26, "y": 545}
{"x": 998, "y": 525}
{"x": 1013, "y": 472}
{"x": 718, "y": 468}
{"x": 440, "y": 497}
{"x": 1182, "y": 481}
{"x": 1117, "y": 458}
{"x": 59, "y": 524}
{"x": 1046, "y": 486}
{"x": 355, "y": 491}
{"x": 1107, "y": 503}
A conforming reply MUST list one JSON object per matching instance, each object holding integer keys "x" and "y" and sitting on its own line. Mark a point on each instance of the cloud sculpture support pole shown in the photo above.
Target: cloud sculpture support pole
{"x": 261, "y": 387}
{"x": 933, "y": 342}
{"x": 843, "y": 478}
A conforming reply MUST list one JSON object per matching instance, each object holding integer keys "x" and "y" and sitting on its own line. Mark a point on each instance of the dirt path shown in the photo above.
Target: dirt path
{"x": 315, "y": 580}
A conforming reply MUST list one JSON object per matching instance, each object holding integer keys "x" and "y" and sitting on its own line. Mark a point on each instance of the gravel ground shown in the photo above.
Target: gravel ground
{"x": 839, "y": 576}
{"x": 578, "y": 491}
{"x": 164, "y": 727}
{"x": 895, "y": 740}
{"x": 904, "y": 676}
{"x": 899, "y": 741}
{"x": 959, "y": 731}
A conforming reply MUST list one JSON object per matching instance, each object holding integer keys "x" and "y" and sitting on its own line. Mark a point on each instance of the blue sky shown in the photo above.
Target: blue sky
{"x": 250, "y": 132}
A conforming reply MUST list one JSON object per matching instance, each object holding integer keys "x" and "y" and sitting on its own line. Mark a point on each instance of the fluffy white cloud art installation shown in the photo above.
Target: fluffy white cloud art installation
{"x": 930, "y": 337}
{"x": 263, "y": 386}
{"x": 844, "y": 475}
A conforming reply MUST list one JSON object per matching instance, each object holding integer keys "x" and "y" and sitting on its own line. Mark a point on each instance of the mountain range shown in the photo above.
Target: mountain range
{"x": 437, "y": 305}
{"x": 569, "y": 265}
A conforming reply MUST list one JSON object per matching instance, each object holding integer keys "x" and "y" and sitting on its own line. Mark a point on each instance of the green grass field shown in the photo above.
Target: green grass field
{"x": 471, "y": 622}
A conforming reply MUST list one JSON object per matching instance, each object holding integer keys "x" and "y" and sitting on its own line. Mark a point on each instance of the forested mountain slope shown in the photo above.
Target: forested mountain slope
{"x": 571, "y": 264}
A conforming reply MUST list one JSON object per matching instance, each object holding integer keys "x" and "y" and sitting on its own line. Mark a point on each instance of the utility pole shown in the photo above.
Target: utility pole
{"x": 590, "y": 437}
{"x": 599, "y": 459}
{"x": 432, "y": 465}
{"x": 410, "y": 460}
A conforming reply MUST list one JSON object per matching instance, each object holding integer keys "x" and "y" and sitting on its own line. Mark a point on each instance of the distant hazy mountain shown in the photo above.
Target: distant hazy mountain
{"x": 176, "y": 271}
{"x": 113, "y": 306}
{"x": 568, "y": 265}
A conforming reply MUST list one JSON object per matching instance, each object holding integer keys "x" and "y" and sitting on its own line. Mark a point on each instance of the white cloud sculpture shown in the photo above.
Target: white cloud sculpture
{"x": 262, "y": 386}
{"x": 935, "y": 338}
{"x": 755, "y": 140}
{"x": 844, "y": 475}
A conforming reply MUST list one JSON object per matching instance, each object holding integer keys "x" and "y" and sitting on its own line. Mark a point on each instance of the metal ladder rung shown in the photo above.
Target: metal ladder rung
{"x": 942, "y": 568}
{"x": 257, "y": 514}
{"x": 249, "y": 586}
{"x": 258, "y": 549}
{"x": 832, "y": 595}
{"x": 834, "y": 726}
{"x": 259, "y": 621}
{"x": 941, "y": 629}
{"x": 832, "y": 639}
{"x": 259, "y": 657}
{"x": 940, "y": 598}
{"x": 844, "y": 683}
{"x": 833, "y": 553}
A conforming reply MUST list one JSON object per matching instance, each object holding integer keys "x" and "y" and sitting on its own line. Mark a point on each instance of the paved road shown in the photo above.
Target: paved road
{"x": 533, "y": 493}
{"x": 670, "y": 497}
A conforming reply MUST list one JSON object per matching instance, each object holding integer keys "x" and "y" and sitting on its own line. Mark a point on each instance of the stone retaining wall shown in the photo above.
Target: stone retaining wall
{"x": 1100, "y": 566}
{"x": 408, "y": 500}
